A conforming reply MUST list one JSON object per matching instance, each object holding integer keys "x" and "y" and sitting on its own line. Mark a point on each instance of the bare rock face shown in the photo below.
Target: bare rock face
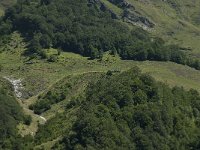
{"x": 132, "y": 16}
{"x": 129, "y": 15}
{"x": 137, "y": 19}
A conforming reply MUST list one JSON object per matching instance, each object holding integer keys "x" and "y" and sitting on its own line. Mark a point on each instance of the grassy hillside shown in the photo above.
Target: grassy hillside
{"x": 177, "y": 21}
{"x": 40, "y": 77}
{"x": 38, "y": 74}
{"x": 32, "y": 71}
{"x": 89, "y": 35}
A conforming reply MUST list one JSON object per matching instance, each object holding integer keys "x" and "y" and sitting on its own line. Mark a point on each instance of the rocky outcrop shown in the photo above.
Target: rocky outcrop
{"x": 129, "y": 15}
{"x": 132, "y": 16}
{"x": 135, "y": 18}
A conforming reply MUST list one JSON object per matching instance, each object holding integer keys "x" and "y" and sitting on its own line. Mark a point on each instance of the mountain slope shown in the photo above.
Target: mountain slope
{"x": 177, "y": 21}
{"x": 131, "y": 111}
{"x": 88, "y": 28}
{"x": 96, "y": 102}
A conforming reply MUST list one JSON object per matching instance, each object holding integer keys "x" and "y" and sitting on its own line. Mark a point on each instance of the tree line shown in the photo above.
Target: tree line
{"x": 83, "y": 27}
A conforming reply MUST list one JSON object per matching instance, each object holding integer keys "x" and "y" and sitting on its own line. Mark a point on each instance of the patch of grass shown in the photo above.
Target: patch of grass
{"x": 173, "y": 74}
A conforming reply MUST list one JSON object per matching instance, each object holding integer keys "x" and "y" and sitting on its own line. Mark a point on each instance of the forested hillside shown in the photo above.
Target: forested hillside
{"x": 128, "y": 110}
{"x": 99, "y": 74}
{"x": 87, "y": 28}
{"x": 132, "y": 111}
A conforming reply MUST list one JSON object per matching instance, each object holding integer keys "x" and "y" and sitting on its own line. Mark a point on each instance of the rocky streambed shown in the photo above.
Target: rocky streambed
{"x": 17, "y": 85}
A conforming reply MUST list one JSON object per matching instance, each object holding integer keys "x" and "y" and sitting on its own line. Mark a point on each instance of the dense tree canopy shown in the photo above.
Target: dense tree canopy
{"x": 128, "y": 110}
{"x": 84, "y": 27}
{"x": 132, "y": 111}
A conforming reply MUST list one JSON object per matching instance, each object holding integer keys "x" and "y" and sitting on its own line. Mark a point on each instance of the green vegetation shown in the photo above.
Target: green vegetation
{"x": 132, "y": 111}
{"x": 176, "y": 21}
{"x": 61, "y": 120}
{"x": 67, "y": 88}
{"x": 11, "y": 114}
{"x": 74, "y": 60}
{"x": 69, "y": 63}
{"x": 85, "y": 28}
{"x": 122, "y": 110}
{"x": 32, "y": 71}
{"x": 127, "y": 110}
